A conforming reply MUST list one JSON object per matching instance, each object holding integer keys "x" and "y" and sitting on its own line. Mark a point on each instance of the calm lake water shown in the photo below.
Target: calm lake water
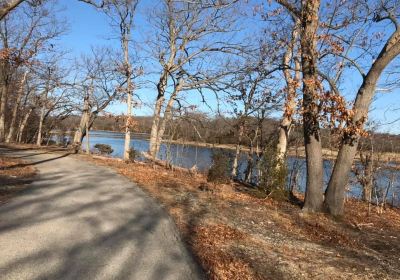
{"x": 188, "y": 156}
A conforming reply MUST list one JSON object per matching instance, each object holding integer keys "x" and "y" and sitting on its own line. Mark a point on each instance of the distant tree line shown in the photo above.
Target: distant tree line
{"x": 221, "y": 130}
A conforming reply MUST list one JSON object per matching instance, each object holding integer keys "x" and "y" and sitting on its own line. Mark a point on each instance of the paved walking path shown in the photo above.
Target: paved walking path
{"x": 81, "y": 221}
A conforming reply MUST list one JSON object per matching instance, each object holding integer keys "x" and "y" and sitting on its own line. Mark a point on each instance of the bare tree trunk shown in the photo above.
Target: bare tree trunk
{"x": 334, "y": 195}
{"x": 250, "y": 156}
{"x": 87, "y": 138}
{"x": 167, "y": 116}
{"x": 283, "y": 139}
{"x": 41, "y": 120}
{"x": 23, "y": 124}
{"x": 15, "y": 110}
{"x": 367, "y": 188}
{"x": 88, "y": 113}
{"x": 3, "y": 105}
{"x": 128, "y": 124}
{"x": 156, "y": 128}
{"x": 312, "y": 141}
{"x": 82, "y": 129}
{"x": 157, "y": 115}
{"x": 248, "y": 174}
{"x": 286, "y": 122}
{"x": 235, "y": 164}
{"x": 80, "y": 132}
{"x": 42, "y": 115}
{"x": 290, "y": 102}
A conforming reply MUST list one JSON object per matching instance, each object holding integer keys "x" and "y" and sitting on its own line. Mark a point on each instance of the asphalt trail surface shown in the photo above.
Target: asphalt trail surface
{"x": 81, "y": 221}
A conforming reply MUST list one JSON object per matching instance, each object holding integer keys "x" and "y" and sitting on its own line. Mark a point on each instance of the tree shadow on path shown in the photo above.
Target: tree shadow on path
{"x": 79, "y": 221}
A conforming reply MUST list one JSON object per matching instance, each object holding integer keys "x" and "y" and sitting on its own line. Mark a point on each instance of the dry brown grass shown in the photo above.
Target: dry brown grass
{"x": 236, "y": 235}
{"x": 14, "y": 177}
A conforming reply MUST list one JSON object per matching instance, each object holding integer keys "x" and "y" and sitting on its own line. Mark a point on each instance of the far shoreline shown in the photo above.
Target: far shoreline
{"x": 327, "y": 154}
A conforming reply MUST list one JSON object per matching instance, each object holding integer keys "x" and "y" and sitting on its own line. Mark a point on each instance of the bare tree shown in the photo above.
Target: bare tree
{"x": 291, "y": 71}
{"x": 341, "y": 27}
{"x": 308, "y": 15}
{"x": 99, "y": 85}
{"x": 50, "y": 83}
{"x": 384, "y": 11}
{"x": 251, "y": 89}
{"x": 25, "y": 35}
{"x": 189, "y": 33}
{"x": 20, "y": 92}
{"x": 28, "y": 105}
{"x": 121, "y": 13}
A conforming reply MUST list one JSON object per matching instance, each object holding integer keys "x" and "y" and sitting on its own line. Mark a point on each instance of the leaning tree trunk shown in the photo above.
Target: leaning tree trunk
{"x": 13, "y": 123}
{"x": 166, "y": 118}
{"x": 23, "y": 125}
{"x": 290, "y": 102}
{"x": 81, "y": 130}
{"x": 312, "y": 141}
{"x": 335, "y": 193}
{"x": 155, "y": 127}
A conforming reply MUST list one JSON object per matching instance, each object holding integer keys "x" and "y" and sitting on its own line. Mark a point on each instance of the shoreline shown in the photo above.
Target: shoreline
{"x": 299, "y": 152}
{"x": 327, "y": 154}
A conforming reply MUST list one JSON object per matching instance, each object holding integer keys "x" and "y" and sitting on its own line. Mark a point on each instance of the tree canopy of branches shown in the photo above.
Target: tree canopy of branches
{"x": 189, "y": 37}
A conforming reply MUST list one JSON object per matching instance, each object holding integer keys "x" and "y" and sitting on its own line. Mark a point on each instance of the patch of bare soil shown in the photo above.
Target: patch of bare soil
{"x": 15, "y": 175}
{"x": 236, "y": 235}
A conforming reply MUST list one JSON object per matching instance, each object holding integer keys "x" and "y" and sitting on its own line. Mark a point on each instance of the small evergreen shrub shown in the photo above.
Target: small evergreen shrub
{"x": 274, "y": 174}
{"x": 51, "y": 143}
{"x": 104, "y": 149}
{"x": 133, "y": 154}
{"x": 220, "y": 168}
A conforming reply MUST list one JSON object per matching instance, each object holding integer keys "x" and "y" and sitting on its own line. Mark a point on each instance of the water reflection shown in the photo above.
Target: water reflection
{"x": 200, "y": 157}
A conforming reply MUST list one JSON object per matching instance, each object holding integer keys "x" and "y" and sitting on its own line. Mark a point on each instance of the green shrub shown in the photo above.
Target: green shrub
{"x": 273, "y": 176}
{"x": 133, "y": 154}
{"x": 104, "y": 149}
{"x": 51, "y": 143}
{"x": 220, "y": 168}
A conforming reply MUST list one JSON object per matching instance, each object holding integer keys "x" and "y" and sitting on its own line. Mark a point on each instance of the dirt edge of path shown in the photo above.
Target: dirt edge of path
{"x": 15, "y": 176}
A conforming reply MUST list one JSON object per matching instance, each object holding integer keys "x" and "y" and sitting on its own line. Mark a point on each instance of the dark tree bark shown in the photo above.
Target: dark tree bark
{"x": 16, "y": 107}
{"x": 334, "y": 196}
{"x": 312, "y": 141}
{"x": 308, "y": 15}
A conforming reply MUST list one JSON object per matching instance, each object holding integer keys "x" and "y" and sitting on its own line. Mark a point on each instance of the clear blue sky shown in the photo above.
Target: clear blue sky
{"x": 91, "y": 28}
